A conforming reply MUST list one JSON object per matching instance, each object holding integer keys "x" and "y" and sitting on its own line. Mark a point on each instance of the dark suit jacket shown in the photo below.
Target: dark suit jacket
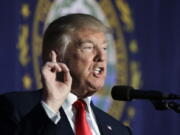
{"x": 21, "y": 113}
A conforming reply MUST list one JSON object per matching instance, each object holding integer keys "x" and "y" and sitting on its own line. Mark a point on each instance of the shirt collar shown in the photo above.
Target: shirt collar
{"x": 71, "y": 98}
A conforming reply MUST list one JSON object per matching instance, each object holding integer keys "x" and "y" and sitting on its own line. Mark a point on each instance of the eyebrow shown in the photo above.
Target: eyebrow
{"x": 85, "y": 41}
{"x": 89, "y": 41}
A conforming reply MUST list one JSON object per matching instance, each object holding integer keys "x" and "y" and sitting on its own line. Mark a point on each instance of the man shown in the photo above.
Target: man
{"x": 74, "y": 68}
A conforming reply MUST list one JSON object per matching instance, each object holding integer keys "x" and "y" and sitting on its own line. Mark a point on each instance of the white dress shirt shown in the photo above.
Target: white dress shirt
{"x": 70, "y": 113}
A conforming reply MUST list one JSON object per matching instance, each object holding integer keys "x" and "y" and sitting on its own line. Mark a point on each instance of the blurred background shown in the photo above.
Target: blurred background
{"x": 143, "y": 52}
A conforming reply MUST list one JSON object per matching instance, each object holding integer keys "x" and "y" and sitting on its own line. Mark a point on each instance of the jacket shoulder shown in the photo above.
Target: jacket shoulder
{"x": 18, "y": 104}
{"x": 18, "y": 97}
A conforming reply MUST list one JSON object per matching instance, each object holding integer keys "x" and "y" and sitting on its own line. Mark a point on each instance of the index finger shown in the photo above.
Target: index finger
{"x": 53, "y": 56}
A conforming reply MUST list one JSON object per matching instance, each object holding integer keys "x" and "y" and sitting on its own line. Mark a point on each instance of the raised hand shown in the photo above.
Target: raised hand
{"x": 55, "y": 90}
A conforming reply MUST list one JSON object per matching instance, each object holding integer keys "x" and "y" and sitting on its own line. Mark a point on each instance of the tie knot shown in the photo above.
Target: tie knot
{"x": 79, "y": 104}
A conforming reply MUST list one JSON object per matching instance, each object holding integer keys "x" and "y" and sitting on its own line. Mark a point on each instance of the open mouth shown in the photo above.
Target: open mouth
{"x": 98, "y": 71}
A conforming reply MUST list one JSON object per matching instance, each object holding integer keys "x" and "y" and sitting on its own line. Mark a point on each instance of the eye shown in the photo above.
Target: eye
{"x": 87, "y": 46}
{"x": 105, "y": 48}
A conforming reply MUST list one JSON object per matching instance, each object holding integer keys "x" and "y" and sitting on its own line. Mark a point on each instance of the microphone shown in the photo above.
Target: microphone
{"x": 127, "y": 93}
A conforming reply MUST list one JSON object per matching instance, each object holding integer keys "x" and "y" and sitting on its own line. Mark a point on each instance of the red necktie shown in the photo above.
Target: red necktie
{"x": 81, "y": 124}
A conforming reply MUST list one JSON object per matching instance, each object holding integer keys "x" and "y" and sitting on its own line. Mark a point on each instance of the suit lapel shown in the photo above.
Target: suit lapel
{"x": 64, "y": 126}
{"x": 104, "y": 127}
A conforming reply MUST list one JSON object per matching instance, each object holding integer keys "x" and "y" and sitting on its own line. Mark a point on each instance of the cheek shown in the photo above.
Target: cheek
{"x": 80, "y": 64}
{"x": 84, "y": 64}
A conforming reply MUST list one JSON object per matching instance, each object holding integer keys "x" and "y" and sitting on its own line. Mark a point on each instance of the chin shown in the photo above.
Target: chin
{"x": 95, "y": 86}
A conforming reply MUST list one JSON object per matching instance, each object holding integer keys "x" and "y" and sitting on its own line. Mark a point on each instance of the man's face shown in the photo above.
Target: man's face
{"x": 86, "y": 59}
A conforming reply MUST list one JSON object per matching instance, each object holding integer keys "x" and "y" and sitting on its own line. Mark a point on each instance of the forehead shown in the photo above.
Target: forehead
{"x": 89, "y": 35}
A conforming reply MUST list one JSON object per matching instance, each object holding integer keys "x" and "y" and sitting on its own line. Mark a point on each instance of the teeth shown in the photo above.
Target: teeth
{"x": 97, "y": 70}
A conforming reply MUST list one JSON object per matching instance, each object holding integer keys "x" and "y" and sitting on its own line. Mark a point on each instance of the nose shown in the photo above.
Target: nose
{"x": 100, "y": 55}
